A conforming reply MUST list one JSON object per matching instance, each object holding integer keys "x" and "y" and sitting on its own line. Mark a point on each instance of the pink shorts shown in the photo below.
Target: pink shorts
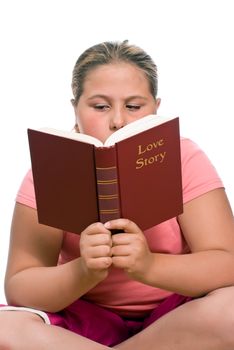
{"x": 102, "y": 325}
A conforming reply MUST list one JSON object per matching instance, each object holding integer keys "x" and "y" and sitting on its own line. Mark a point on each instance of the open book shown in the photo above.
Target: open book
{"x": 136, "y": 174}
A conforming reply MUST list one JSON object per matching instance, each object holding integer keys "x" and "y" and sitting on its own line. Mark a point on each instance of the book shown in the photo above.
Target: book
{"x": 135, "y": 174}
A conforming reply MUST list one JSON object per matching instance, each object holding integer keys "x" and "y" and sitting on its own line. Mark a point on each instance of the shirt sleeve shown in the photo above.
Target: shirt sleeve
{"x": 26, "y": 193}
{"x": 198, "y": 173}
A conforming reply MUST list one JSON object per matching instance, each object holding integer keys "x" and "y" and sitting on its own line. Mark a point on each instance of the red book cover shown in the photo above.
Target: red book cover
{"x": 77, "y": 183}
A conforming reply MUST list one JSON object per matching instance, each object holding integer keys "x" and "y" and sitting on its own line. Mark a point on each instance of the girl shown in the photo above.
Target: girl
{"x": 170, "y": 287}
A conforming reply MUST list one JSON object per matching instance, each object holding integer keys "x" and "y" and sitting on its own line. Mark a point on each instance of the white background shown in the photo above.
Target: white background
{"x": 191, "y": 42}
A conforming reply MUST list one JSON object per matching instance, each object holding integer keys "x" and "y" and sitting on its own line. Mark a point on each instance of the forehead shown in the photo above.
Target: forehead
{"x": 116, "y": 75}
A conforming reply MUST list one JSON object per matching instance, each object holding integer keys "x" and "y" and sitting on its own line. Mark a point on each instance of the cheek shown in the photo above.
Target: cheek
{"x": 85, "y": 120}
{"x": 94, "y": 126}
{"x": 88, "y": 126}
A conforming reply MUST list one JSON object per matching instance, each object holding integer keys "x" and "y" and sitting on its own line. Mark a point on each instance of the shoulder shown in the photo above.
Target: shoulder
{"x": 199, "y": 175}
{"x": 26, "y": 193}
{"x": 189, "y": 148}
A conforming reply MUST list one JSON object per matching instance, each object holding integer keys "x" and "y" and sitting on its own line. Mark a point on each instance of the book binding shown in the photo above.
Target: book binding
{"x": 107, "y": 184}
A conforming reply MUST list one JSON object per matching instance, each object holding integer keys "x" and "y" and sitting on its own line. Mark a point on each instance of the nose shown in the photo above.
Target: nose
{"x": 117, "y": 120}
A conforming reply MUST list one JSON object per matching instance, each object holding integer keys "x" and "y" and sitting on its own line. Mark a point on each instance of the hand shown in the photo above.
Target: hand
{"x": 95, "y": 250}
{"x": 129, "y": 250}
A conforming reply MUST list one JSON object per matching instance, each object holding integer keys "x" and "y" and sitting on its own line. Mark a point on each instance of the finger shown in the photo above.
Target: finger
{"x": 96, "y": 228}
{"x": 121, "y": 250}
{"x": 121, "y": 262}
{"x": 122, "y": 224}
{"x": 98, "y": 252}
{"x": 99, "y": 263}
{"x": 123, "y": 238}
{"x": 100, "y": 239}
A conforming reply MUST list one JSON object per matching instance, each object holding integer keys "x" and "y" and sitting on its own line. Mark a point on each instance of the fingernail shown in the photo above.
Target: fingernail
{"x": 107, "y": 225}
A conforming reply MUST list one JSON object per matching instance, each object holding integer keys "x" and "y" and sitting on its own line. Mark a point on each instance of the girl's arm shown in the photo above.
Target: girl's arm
{"x": 33, "y": 278}
{"x": 208, "y": 226}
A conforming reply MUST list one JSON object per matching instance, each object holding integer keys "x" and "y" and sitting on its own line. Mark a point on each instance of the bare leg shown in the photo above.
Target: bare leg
{"x": 202, "y": 324}
{"x": 26, "y": 331}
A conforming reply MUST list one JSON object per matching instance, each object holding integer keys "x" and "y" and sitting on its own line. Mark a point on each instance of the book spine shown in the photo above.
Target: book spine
{"x": 107, "y": 184}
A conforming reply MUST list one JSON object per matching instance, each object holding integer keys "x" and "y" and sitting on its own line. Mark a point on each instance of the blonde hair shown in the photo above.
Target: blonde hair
{"x": 112, "y": 52}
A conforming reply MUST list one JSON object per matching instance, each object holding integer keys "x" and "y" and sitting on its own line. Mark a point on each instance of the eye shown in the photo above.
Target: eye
{"x": 101, "y": 107}
{"x": 133, "y": 107}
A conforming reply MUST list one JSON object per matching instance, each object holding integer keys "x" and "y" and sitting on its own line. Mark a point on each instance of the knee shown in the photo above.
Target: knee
{"x": 13, "y": 326}
{"x": 216, "y": 312}
{"x": 6, "y": 328}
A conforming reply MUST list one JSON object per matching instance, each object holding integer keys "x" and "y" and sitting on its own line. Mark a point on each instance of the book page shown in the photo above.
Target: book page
{"x": 74, "y": 136}
{"x": 136, "y": 127}
{"x": 128, "y": 130}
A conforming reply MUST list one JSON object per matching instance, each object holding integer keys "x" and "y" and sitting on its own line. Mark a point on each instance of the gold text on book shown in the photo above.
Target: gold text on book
{"x": 159, "y": 157}
{"x": 151, "y": 146}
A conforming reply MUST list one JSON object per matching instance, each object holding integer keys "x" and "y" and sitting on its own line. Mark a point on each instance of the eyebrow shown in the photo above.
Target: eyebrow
{"x": 108, "y": 97}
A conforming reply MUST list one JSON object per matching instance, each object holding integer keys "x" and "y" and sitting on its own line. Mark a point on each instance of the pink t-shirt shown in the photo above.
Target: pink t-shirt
{"x": 117, "y": 292}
